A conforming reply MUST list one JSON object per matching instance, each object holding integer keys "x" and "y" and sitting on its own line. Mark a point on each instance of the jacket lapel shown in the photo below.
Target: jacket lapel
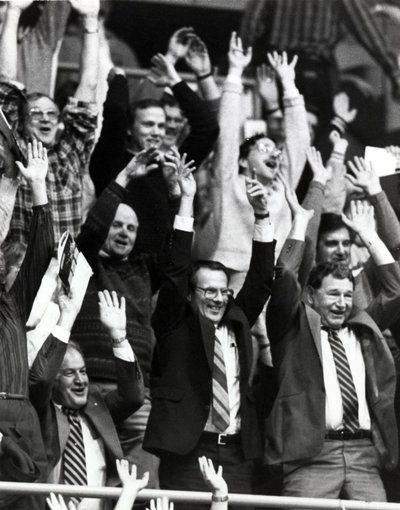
{"x": 101, "y": 420}
{"x": 62, "y": 427}
{"x": 314, "y": 321}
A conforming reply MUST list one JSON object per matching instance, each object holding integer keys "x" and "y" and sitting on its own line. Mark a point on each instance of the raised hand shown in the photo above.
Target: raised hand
{"x": 57, "y": 503}
{"x": 257, "y": 196}
{"x": 36, "y": 170}
{"x": 238, "y": 58}
{"x": 142, "y": 163}
{"x": 320, "y": 173}
{"x": 284, "y": 69}
{"x": 179, "y": 43}
{"x": 186, "y": 180}
{"x": 197, "y": 57}
{"x": 291, "y": 198}
{"x": 364, "y": 177}
{"x": 266, "y": 85}
{"x": 128, "y": 477}
{"x": 394, "y": 150}
{"x": 361, "y": 217}
{"x": 161, "y": 504}
{"x": 341, "y": 107}
{"x": 163, "y": 73}
{"x": 112, "y": 313}
{"x": 86, "y": 7}
{"x": 212, "y": 478}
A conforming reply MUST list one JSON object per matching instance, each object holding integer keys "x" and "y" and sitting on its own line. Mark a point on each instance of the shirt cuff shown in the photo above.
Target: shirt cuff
{"x": 184, "y": 223}
{"x": 61, "y": 334}
{"x": 263, "y": 233}
{"x": 124, "y": 351}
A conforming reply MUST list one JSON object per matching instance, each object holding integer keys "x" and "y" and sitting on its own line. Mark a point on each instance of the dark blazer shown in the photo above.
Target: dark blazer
{"x": 296, "y": 425}
{"x": 182, "y": 370}
{"x": 103, "y": 413}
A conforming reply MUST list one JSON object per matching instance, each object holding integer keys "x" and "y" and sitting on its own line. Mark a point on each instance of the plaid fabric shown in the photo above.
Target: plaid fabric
{"x": 314, "y": 27}
{"x": 67, "y": 160}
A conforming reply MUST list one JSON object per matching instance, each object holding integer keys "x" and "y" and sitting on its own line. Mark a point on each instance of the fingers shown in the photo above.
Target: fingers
{"x": 110, "y": 300}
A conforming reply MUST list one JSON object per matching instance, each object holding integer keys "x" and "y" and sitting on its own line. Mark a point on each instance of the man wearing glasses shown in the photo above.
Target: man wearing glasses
{"x": 203, "y": 403}
{"x": 69, "y": 136}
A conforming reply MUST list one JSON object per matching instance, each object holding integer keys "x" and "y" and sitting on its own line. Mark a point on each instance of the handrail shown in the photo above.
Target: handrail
{"x": 197, "y": 497}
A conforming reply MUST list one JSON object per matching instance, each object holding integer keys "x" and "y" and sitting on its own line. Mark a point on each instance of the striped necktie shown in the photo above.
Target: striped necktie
{"x": 346, "y": 383}
{"x": 220, "y": 406}
{"x": 74, "y": 460}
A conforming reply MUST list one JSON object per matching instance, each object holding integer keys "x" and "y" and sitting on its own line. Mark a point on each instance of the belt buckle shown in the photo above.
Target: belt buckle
{"x": 222, "y": 439}
{"x": 3, "y": 395}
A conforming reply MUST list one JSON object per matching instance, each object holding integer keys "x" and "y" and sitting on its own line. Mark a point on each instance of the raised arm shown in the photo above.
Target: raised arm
{"x": 131, "y": 485}
{"x": 297, "y": 134}
{"x": 257, "y": 285}
{"x": 8, "y": 39}
{"x": 215, "y": 482}
{"x": 172, "y": 299}
{"x": 89, "y": 10}
{"x": 41, "y": 237}
{"x": 384, "y": 309}
{"x": 129, "y": 395}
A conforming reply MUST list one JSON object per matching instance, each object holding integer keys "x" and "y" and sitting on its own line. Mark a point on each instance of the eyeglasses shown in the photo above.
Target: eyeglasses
{"x": 37, "y": 115}
{"x": 211, "y": 293}
{"x": 267, "y": 149}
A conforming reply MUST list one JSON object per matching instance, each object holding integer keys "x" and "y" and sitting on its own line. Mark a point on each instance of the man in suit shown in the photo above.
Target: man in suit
{"x": 332, "y": 426}
{"x": 73, "y": 414}
{"x": 199, "y": 326}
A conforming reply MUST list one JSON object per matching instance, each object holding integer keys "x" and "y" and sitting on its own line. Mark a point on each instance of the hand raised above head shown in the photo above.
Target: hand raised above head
{"x": 238, "y": 58}
{"x": 37, "y": 167}
{"x": 179, "y": 43}
{"x": 285, "y": 70}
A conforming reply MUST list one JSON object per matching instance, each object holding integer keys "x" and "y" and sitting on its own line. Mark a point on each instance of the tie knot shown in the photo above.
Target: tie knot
{"x": 70, "y": 412}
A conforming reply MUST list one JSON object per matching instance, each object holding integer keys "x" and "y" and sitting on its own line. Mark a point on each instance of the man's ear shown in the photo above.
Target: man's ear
{"x": 310, "y": 295}
{"x": 243, "y": 165}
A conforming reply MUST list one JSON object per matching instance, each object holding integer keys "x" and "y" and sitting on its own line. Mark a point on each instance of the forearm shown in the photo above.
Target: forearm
{"x": 86, "y": 90}
{"x": 387, "y": 224}
{"x": 8, "y": 191}
{"x": 8, "y": 44}
{"x": 209, "y": 88}
{"x": 39, "y": 192}
{"x": 335, "y": 191}
{"x": 186, "y": 207}
{"x": 376, "y": 247}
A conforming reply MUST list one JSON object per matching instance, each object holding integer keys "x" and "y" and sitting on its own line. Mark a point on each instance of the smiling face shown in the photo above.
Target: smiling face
{"x": 175, "y": 122}
{"x": 41, "y": 121}
{"x": 148, "y": 128}
{"x": 211, "y": 308}
{"x": 333, "y": 300}
{"x": 72, "y": 383}
{"x": 122, "y": 234}
{"x": 264, "y": 159}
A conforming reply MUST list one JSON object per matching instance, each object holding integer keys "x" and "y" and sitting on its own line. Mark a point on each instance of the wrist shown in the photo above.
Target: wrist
{"x": 171, "y": 58}
{"x": 223, "y": 498}
{"x": 261, "y": 215}
{"x": 235, "y": 71}
{"x": 90, "y": 24}
{"x": 204, "y": 75}
{"x": 117, "y": 334}
{"x": 373, "y": 190}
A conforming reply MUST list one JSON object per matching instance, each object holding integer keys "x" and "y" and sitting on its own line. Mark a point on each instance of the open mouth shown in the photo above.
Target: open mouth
{"x": 271, "y": 163}
{"x": 79, "y": 392}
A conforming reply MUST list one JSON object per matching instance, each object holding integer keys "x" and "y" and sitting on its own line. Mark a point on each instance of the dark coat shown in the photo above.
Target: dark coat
{"x": 182, "y": 375}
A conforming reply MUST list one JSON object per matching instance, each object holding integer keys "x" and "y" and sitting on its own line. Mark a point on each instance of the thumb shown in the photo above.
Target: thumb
{"x": 20, "y": 166}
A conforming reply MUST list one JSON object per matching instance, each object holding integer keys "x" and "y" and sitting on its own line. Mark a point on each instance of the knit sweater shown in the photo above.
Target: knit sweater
{"x": 133, "y": 279}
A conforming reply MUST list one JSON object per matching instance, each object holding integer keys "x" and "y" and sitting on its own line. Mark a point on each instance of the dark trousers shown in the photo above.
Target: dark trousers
{"x": 181, "y": 472}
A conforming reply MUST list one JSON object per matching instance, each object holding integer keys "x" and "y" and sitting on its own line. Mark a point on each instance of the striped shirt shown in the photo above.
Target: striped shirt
{"x": 15, "y": 305}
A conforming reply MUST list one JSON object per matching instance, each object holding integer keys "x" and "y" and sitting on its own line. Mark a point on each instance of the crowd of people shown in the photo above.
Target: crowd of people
{"x": 239, "y": 329}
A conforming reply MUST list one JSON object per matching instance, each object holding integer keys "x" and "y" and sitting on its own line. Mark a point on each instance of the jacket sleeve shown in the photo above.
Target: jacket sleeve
{"x": 283, "y": 305}
{"x": 172, "y": 299}
{"x": 385, "y": 308}
{"x": 129, "y": 395}
{"x": 203, "y": 123}
{"x": 106, "y": 159}
{"x": 43, "y": 372}
{"x": 257, "y": 285}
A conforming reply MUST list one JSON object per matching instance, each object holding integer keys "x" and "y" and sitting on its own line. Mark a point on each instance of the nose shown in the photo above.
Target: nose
{"x": 340, "y": 302}
{"x": 219, "y": 297}
{"x": 340, "y": 248}
{"x": 79, "y": 378}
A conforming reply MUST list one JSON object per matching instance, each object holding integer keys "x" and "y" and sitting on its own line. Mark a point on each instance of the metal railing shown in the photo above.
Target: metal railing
{"x": 196, "y": 497}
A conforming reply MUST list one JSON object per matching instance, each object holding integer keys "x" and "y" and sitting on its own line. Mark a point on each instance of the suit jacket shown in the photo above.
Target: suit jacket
{"x": 182, "y": 369}
{"x": 102, "y": 413}
{"x": 296, "y": 426}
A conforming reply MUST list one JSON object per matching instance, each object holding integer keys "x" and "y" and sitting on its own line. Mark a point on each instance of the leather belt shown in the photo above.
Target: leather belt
{"x": 347, "y": 435}
{"x": 221, "y": 439}
{"x": 12, "y": 396}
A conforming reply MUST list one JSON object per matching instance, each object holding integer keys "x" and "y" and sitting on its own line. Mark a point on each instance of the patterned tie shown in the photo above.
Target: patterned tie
{"x": 74, "y": 460}
{"x": 346, "y": 383}
{"x": 220, "y": 407}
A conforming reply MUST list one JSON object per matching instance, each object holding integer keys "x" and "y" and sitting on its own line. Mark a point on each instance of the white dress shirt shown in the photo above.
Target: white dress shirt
{"x": 333, "y": 397}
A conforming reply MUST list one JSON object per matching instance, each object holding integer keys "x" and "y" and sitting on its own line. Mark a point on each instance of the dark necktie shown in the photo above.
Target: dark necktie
{"x": 220, "y": 407}
{"x": 346, "y": 383}
{"x": 74, "y": 460}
